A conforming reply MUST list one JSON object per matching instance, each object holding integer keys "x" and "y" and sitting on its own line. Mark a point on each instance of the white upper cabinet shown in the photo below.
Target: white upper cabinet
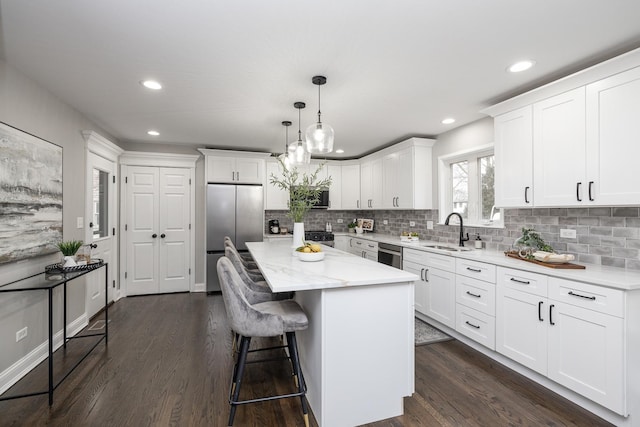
{"x": 584, "y": 132}
{"x": 351, "y": 186}
{"x": 514, "y": 153}
{"x": 275, "y": 197}
{"x": 234, "y": 166}
{"x": 371, "y": 184}
{"x": 407, "y": 175}
{"x": 613, "y": 139}
{"x": 559, "y": 154}
{"x": 335, "y": 190}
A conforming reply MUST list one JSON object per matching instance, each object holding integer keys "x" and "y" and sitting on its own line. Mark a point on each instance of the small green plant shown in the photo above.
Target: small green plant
{"x": 352, "y": 224}
{"x": 532, "y": 239}
{"x": 70, "y": 247}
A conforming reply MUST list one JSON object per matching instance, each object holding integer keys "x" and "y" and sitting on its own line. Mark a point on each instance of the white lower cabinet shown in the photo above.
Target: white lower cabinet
{"x": 475, "y": 301}
{"x": 435, "y": 294}
{"x": 341, "y": 242}
{"x": 569, "y": 331}
{"x": 364, "y": 248}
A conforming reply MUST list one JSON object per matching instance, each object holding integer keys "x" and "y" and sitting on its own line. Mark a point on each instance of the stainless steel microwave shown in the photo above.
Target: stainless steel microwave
{"x": 323, "y": 200}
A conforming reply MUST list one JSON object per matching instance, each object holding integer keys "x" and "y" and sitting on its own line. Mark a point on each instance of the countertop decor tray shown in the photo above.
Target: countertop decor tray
{"x": 567, "y": 265}
{"x": 58, "y": 268}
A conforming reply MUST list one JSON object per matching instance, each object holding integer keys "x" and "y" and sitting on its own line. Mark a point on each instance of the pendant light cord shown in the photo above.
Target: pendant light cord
{"x": 319, "y": 121}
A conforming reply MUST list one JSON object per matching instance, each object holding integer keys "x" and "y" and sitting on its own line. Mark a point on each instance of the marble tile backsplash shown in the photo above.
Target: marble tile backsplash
{"x": 604, "y": 235}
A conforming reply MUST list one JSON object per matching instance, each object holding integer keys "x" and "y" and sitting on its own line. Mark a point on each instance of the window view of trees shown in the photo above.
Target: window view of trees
{"x": 487, "y": 193}
{"x": 460, "y": 183}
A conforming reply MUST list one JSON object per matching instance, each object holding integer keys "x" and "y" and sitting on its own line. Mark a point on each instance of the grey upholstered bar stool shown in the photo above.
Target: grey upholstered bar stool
{"x": 266, "y": 319}
{"x": 247, "y": 259}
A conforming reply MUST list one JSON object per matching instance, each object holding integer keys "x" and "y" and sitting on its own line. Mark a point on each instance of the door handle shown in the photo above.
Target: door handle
{"x": 422, "y": 274}
{"x": 578, "y": 191}
{"x": 91, "y": 225}
{"x": 550, "y": 314}
{"x": 526, "y": 194}
{"x": 237, "y": 176}
{"x": 540, "y": 311}
{"x": 590, "y": 186}
{"x": 163, "y": 235}
{"x": 358, "y": 204}
{"x": 233, "y": 176}
{"x": 93, "y": 245}
{"x": 426, "y": 274}
{"x": 154, "y": 235}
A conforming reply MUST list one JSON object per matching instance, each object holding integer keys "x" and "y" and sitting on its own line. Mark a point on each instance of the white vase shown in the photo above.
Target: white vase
{"x": 298, "y": 234}
{"x": 69, "y": 261}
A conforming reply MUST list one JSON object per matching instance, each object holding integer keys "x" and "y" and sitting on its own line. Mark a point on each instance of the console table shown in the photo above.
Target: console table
{"x": 48, "y": 282}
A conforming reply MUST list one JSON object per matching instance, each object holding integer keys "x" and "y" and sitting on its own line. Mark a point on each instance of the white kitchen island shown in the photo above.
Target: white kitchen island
{"x": 358, "y": 353}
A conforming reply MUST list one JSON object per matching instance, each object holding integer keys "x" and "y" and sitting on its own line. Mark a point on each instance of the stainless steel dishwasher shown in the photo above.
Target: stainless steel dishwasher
{"x": 390, "y": 255}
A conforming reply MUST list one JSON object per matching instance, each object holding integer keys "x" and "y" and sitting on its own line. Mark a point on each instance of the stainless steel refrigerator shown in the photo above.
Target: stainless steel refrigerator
{"x": 236, "y": 211}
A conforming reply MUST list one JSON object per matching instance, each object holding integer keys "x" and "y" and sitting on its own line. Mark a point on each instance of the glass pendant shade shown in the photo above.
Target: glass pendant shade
{"x": 298, "y": 153}
{"x": 319, "y": 135}
{"x": 285, "y": 157}
{"x": 319, "y": 138}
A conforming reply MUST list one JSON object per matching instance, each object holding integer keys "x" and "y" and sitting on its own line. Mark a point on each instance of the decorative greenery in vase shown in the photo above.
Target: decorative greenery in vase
{"x": 304, "y": 190}
{"x": 69, "y": 248}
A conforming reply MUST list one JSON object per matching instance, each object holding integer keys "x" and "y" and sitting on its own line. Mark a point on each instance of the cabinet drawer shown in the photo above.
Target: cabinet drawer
{"x": 429, "y": 259}
{"x": 476, "y": 294}
{"x": 476, "y": 270}
{"x": 524, "y": 281}
{"x": 478, "y": 326}
{"x": 365, "y": 245}
{"x": 592, "y": 297}
{"x": 414, "y": 255}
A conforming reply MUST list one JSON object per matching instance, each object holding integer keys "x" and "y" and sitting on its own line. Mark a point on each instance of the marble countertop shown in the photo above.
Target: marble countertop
{"x": 284, "y": 272}
{"x": 611, "y": 277}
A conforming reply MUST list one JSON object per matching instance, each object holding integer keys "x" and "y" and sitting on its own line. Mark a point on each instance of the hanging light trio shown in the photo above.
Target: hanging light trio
{"x": 318, "y": 136}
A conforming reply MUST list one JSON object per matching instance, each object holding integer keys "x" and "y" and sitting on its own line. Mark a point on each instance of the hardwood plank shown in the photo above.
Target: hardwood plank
{"x": 168, "y": 362}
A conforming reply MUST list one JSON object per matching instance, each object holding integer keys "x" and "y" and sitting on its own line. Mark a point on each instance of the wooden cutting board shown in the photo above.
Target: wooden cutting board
{"x": 566, "y": 265}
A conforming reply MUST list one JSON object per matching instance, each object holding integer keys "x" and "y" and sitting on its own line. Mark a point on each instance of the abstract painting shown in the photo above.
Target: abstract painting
{"x": 30, "y": 195}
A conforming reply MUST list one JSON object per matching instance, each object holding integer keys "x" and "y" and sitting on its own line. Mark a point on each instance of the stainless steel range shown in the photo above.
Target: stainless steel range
{"x": 324, "y": 237}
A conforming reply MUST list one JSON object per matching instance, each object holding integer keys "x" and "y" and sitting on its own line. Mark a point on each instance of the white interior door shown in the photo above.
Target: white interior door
{"x": 174, "y": 243}
{"x": 142, "y": 230}
{"x": 100, "y": 228}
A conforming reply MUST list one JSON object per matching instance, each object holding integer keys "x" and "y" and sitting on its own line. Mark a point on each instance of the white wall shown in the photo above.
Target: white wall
{"x": 463, "y": 138}
{"x": 27, "y": 106}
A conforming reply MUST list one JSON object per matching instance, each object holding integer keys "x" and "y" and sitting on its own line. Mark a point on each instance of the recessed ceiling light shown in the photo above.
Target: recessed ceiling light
{"x": 153, "y": 133}
{"x": 448, "y": 121}
{"x": 339, "y": 151}
{"x": 521, "y": 66}
{"x": 151, "y": 84}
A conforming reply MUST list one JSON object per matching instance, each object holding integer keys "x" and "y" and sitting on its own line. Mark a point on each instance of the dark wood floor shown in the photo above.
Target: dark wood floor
{"x": 168, "y": 363}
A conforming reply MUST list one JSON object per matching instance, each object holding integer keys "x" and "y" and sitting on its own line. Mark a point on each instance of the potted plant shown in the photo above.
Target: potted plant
{"x": 304, "y": 191}
{"x": 69, "y": 249}
{"x": 352, "y": 226}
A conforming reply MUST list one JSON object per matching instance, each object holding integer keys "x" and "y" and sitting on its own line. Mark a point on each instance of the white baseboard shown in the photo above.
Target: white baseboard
{"x": 22, "y": 367}
{"x": 199, "y": 287}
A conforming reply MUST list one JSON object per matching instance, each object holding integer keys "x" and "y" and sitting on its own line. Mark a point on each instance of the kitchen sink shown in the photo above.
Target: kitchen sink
{"x": 446, "y": 247}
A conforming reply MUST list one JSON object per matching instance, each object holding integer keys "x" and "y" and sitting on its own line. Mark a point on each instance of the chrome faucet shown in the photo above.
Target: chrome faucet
{"x": 462, "y": 238}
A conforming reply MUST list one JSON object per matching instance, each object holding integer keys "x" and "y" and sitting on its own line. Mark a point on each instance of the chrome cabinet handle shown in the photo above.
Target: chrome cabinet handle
{"x": 237, "y": 176}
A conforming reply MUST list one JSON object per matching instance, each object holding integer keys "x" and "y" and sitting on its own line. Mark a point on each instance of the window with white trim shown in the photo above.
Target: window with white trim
{"x": 467, "y": 187}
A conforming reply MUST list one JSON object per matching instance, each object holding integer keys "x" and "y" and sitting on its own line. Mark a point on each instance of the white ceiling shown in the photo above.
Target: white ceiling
{"x": 232, "y": 70}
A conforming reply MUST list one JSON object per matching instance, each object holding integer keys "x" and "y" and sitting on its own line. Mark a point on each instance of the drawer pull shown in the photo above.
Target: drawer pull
{"x": 472, "y": 325}
{"x": 372, "y": 246}
{"x": 540, "y": 311}
{"x": 592, "y": 298}
{"x": 473, "y": 295}
{"x": 475, "y": 270}
{"x": 524, "y": 282}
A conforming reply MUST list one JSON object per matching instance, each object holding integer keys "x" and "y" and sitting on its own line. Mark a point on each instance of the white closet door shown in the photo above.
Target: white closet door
{"x": 142, "y": 223}
{"x": 174, "y": 244}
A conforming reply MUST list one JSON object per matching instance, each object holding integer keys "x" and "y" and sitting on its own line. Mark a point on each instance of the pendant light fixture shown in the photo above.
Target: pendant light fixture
{"x": 284, "y": 157}
{"x": 299, "y": 155}
{"x": 319, "y": 135}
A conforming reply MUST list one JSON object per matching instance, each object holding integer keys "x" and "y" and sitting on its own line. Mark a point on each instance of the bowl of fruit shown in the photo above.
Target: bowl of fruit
{"x": 310, "y": 252}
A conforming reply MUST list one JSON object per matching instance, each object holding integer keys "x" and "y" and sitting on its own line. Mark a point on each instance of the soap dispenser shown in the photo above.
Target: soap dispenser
{"x": 478, "y": 242}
